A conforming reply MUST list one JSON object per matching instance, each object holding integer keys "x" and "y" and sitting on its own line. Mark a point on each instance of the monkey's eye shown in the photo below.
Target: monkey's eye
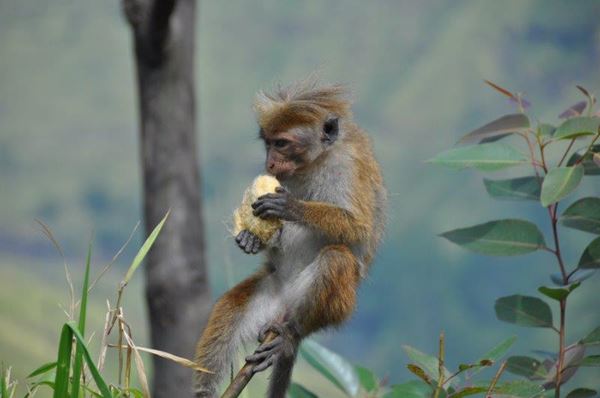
{"x": 280, "y": 143}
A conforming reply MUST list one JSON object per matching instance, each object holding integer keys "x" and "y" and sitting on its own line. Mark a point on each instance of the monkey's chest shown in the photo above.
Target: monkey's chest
{"x": 297, "y": 246}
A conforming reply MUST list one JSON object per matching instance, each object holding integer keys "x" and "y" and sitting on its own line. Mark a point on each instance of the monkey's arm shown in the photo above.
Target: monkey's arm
{"x": 338, "y": 223}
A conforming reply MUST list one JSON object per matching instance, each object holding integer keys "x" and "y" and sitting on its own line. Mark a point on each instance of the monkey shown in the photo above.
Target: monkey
{"x": 332, "y": 203}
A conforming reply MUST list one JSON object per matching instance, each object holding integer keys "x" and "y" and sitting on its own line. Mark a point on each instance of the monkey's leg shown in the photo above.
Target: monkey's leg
{"x": 330, "y": 300}
{"x": 218, "y": 343}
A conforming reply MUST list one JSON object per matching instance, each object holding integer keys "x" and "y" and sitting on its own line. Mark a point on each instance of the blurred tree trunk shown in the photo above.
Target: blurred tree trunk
{"x": 177, "y": 289}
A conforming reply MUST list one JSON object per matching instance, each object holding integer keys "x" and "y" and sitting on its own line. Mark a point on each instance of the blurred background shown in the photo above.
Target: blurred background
{"x": 69, "y": 154}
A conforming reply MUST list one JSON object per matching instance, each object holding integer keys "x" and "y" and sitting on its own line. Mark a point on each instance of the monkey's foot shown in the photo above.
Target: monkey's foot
{"x": 270, "y": 351}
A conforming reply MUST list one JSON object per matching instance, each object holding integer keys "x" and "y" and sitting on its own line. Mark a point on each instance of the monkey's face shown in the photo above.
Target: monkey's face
{"x": 292, "y": 151}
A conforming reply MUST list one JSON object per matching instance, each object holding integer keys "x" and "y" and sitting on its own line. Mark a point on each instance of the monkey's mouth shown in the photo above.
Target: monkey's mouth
{"x": 283, "y": 171}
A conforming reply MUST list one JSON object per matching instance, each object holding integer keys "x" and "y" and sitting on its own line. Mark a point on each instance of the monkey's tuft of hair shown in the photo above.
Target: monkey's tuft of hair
{"x": 243, "y": 217}
{"x": 304, "y": 102}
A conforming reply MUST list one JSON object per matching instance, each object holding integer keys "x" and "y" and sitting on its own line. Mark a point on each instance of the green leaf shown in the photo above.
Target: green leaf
{"x": 559, "y": 182}
{"x": 558, "y": 293}
{"x": 519, "y": 388}
{"x": 573, "y": 355}
{"x": 577, "y": 127}
{"x": 592, "y": 338}
{"x": 590, "y": 167}
{"x": 582, "y": 393}
{"x": 524, "y": 311}
{"x": 468, "y": 391}
{"x": 546, "y": 130}
{"x": 45, "y": 368}
{"x": 498, "y": 238}
{"x": 496, "y": 353}
{"x": 367, "y": 379}
{"x": 76, "y": 378}
{"x": 522, "y": 188}
{"x": 591, "y": 255}
{"x": 139, "y": 257}
{"x": 428, "y": 363}
{"x": 484, "y": 157}
{"x": 419, "y": 372}
{"x": 507, "y": 124}
{"x": 335, "y": 368}
{"x": 297, "y": 391}
{"x": 591, "y": 361}
{"x": 411, "y": 389}
{"x": 525, "y": 366}
{"x": 63, "y": 362}
{"x": 583, "y": 215}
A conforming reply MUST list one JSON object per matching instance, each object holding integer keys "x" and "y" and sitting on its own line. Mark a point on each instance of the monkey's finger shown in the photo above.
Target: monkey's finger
{"x": 269, "y": 345}
{"x": 261, "y": 202}
{"x": 257, "y": 244}
{"x": 281, "y": 190}
{"x": 258, "y": 356}
{"x": 244, "y": 241}
{"x": 279, "y": 207}
{"x": 241, "y": 235}
{"x": 270, "y": 196}
{"x": 264, "y": 365}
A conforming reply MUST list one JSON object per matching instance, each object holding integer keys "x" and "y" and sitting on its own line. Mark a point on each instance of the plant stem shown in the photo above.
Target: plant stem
{"x": 440, "y": 368}
{"x": 566, "y": 152}
{"x": 561, "y": 352}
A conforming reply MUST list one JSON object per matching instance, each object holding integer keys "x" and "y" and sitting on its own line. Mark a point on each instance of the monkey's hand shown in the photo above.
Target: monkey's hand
{"x": 283, "y": 346}
{"x": 280, "y": 205}
{"x": 248, "y": 242}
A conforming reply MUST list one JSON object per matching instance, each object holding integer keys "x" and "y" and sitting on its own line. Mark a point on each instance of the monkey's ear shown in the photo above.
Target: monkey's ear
{"x": 331, "y": 130}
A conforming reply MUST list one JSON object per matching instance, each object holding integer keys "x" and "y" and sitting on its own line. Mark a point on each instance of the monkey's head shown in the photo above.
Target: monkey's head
{"x": 300, "y": 124}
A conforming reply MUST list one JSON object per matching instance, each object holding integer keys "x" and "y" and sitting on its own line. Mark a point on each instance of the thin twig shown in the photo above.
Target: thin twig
{"x": 440, "y": 368}
{"x": 495, "y": 379}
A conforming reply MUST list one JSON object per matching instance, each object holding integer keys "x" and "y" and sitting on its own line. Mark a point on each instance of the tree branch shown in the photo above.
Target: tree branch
{"x": 241, "y": 380}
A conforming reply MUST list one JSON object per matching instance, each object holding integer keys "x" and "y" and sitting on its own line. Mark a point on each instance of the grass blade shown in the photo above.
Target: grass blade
{"x": 63, "y": 363}
{"x": 82, "y": 317}
{"x": 139, "y": 257}
{"x": 42, "y": 369}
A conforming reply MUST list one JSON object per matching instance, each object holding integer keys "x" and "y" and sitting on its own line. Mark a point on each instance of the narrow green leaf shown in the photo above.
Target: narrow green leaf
{"x": 297, "y": 391}
{"x": 465, "y": 392}
{"x": 485, "y": 157}
{"x": 70, "y": 331}
{"x": 498, "y": 238}
{"x": 592, "y": 338}
{"x": 411, "y": 389}
{"x": 583, "y": 215}
{"x": 76, "y": 379}
{"x": 591, "y": 255}
{"x": 139, "y": 257}
{"x": 519, "y": 388}
{"x": 577, "y": 127}
{"x": 591, "y": 361}
{"x": 497, "y": 352}
{"x": 428, "y": 363}
{"x": 558, "y": 293}
{"x": 45, "y": 368}
{"x": 506, "y": 124}
{"x": 525, "y": 366}
{"x": 560, "y": 182}
{"x": 63, "y": 363}
{"x": 524, "y": 311}
{"x": 523, "y": 188}
{"x": 582, "y": 393}
{"x": 367, "y": 379}
{"x": 335, "y": 368}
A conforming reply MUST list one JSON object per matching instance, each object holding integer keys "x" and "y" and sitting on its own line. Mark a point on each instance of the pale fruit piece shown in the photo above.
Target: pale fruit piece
{"x": 243, "y": 217}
